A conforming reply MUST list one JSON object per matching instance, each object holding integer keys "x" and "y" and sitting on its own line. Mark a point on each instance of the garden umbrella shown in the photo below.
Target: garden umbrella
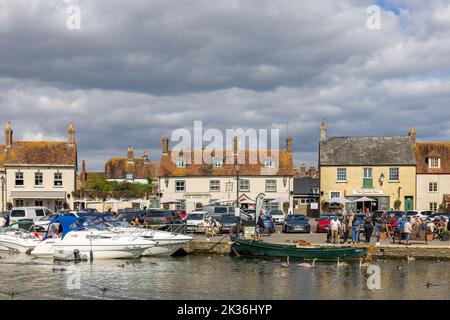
{"x": 194, "y": 200}
{"x": 248, "y": 201}
{"x": 223, "y": 201}
{"x": 364, "y": 200}
{"x": 340, "y": 200}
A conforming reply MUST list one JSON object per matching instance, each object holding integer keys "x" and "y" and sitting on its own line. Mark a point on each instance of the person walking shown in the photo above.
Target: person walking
{"x": 407, "y": 229}
{"x": 346, "y": 227}
{"x": 260, "y": 226}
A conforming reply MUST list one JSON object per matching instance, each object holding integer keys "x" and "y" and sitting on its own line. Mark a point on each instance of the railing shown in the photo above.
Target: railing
{"x": 174, "y": 228}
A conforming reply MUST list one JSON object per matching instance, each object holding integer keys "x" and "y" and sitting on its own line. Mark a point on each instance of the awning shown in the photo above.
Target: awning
{"x": 38, "y": 194}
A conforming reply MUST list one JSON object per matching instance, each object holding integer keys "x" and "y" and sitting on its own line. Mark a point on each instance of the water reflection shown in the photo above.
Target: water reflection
{"x": 217, "y": 277}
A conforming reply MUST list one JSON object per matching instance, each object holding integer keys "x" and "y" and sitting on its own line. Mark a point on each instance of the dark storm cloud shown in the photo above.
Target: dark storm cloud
{"x": 137, "y": 70}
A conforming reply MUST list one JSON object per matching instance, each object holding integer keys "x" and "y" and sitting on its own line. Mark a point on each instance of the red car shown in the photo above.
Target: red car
{"x": 324, "y": 222}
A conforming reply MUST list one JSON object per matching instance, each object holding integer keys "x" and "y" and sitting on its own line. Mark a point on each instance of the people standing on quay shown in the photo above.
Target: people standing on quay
{"x": 377, "y": 230}
{"x": 407, "y": 229}
{"x": 355, "y": 229}
{"x": 368, "y": 226}
{"x": 260, "y": 226}
{"x": 335, "y": 226}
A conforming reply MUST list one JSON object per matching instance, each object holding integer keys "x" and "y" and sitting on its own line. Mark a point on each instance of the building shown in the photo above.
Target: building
{"x": 433, "y": 175}
{"x": 126, "y": 169}
{"x": 202, "y": 184}
{"x": 38, "y": 173}
{"x": 382, "y": 168}
{"x": 307, "y": 195}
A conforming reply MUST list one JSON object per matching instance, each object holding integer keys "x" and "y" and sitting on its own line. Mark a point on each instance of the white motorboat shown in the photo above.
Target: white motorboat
{"x": 167, "y": 243}
{"x": 16, "y": 239}
{"x": 82, "y": 238}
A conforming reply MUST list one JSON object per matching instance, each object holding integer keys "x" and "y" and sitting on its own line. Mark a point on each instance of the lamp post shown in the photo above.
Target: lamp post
{"x": 237, "y": 167}
{"x": 2, "y": 180}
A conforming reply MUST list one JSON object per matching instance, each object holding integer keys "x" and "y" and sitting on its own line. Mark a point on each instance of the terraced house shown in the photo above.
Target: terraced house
{"x": 382, "y": 168}
{"x": 193, "y": 184}
{"x": 38, "y": 173}
{"x": 433, "y": 176}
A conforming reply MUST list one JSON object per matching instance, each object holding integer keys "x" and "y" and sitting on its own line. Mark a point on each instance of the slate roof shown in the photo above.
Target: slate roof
{"x": 426, "y": 150}
{"x": 285, "y": 166}
{"x": 39, "y": 153}
{"x": 367, "y": 151}
{"x": 303, "y": 186}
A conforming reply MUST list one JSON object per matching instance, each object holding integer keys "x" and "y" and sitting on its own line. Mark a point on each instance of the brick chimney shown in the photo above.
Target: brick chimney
{"x": 289, "y": 144}
{"x": 312, "y": 171}
{"x": 165, "y": 145}
{"x": 130, "y": 153}
{"x": 146, "y": 155}
{"x": 323, "y": 131}
{"x": 71, "y": 133}
{"x": 83, "y": 173}
{"x": 235, "y": 146}
{"x": 412, "y": 136}
{"x": 8, "y": 135}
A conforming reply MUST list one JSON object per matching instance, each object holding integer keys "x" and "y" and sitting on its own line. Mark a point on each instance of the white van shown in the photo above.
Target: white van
{"x": 195, "y": 221}
{"x": 33, "y": 213}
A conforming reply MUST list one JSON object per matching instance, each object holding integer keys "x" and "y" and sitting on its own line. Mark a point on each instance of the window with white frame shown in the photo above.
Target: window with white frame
{"x": 129, "y": 177}
{"x": 20, "y": 203}
{"x": 433, "y": 206}
{"x": 271, "y": 185}
{"x": 394, "y": 174}
{"x": 180, "y": 186}
{"x": 434, "y": 163}
{"x": 19, "y": 179}
{"x": 58, "y": 182}
{"x": 181, "y": 163}
{"x": 39, "y": 203}
{"x": 315, "y": 191}
{"x": 38, "y": 179}
{"x": 342, "y": 175}
{"x": 433, "y": 187}
{"x": 214, "y": 186}
{"x": 368, "y": 173}
{"x": 244, "y": 185}
{"x": 59, "y": 205}
{"x": 218, "y": 163}
{"x": 335, "y": 194}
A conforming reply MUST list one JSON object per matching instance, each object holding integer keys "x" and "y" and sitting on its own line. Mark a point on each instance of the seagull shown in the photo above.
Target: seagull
{"x": 285, "y": 264}
{"x": 308, "y": 265}
{"x": 410, "y": 258}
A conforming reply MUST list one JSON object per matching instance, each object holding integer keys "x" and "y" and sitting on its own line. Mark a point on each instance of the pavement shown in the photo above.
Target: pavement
{"x": 318, "y": 238}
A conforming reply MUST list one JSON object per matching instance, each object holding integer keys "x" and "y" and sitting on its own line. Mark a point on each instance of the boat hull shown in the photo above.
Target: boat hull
{"x": 98, "y": 253}
{"x": 262, "y": 249}
{"x": 162, "y": 250}
{"x": 21, "y": 245}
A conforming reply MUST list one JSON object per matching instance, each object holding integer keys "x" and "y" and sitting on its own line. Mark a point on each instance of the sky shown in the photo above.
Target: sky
{"x": 137, "y": 70}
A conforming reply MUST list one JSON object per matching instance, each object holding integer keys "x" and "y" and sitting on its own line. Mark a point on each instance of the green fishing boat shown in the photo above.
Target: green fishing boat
{"x": 263, "y": 249}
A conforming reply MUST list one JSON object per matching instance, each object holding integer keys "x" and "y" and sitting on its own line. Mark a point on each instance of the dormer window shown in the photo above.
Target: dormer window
{"x": 181, "y": 164}
{"x": 269, "y": 163}
{"x": 434, "y": 163}
{"x": 218, "y": 163}
{"x": 129, "y": 177}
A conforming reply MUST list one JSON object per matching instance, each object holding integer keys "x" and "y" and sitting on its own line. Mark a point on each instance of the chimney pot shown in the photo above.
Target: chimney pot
{"x": 323, "y": 131}
{"x": 165, "y": 145}
{"x": 8, "y": 135}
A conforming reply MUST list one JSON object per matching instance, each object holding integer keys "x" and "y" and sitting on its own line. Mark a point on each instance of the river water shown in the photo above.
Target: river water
{"x": 216, "y": 277}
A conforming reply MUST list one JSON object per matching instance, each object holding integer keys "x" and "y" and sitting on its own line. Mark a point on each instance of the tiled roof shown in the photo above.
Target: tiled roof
{"x": 118, "y": 168}
{"x": 426, "y": 150}
{"x": 41, "y": 153}
{"x": 169, "y": 168}
{"x": 366, "y": 151}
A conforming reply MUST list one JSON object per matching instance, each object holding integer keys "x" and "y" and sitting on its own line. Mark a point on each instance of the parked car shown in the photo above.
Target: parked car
{"x": 33, "y": 213}
{"x": 323, "y": 223}
{"x": 277, "y": 216}
{"x": 230, "y": 222}
{"x": 195, "y": 221}
{"x": 216, "y": 211}
{"x": 269, "y": 223}
{"x": 397, "y": 214}
{"x": 158, "y": 217}
{"x": 41, "y": 225}
{"x": 176, "y": 218}
{"x": 130, "y": 216}
{"x": 296, "y": 223}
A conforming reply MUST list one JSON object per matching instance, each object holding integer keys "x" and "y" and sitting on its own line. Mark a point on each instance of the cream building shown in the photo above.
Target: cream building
{"x": 39, "y": 173}
{"x": 433, "y": 176}
{"x": 381, "y": 168}
{"x": 202, "y": 184}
